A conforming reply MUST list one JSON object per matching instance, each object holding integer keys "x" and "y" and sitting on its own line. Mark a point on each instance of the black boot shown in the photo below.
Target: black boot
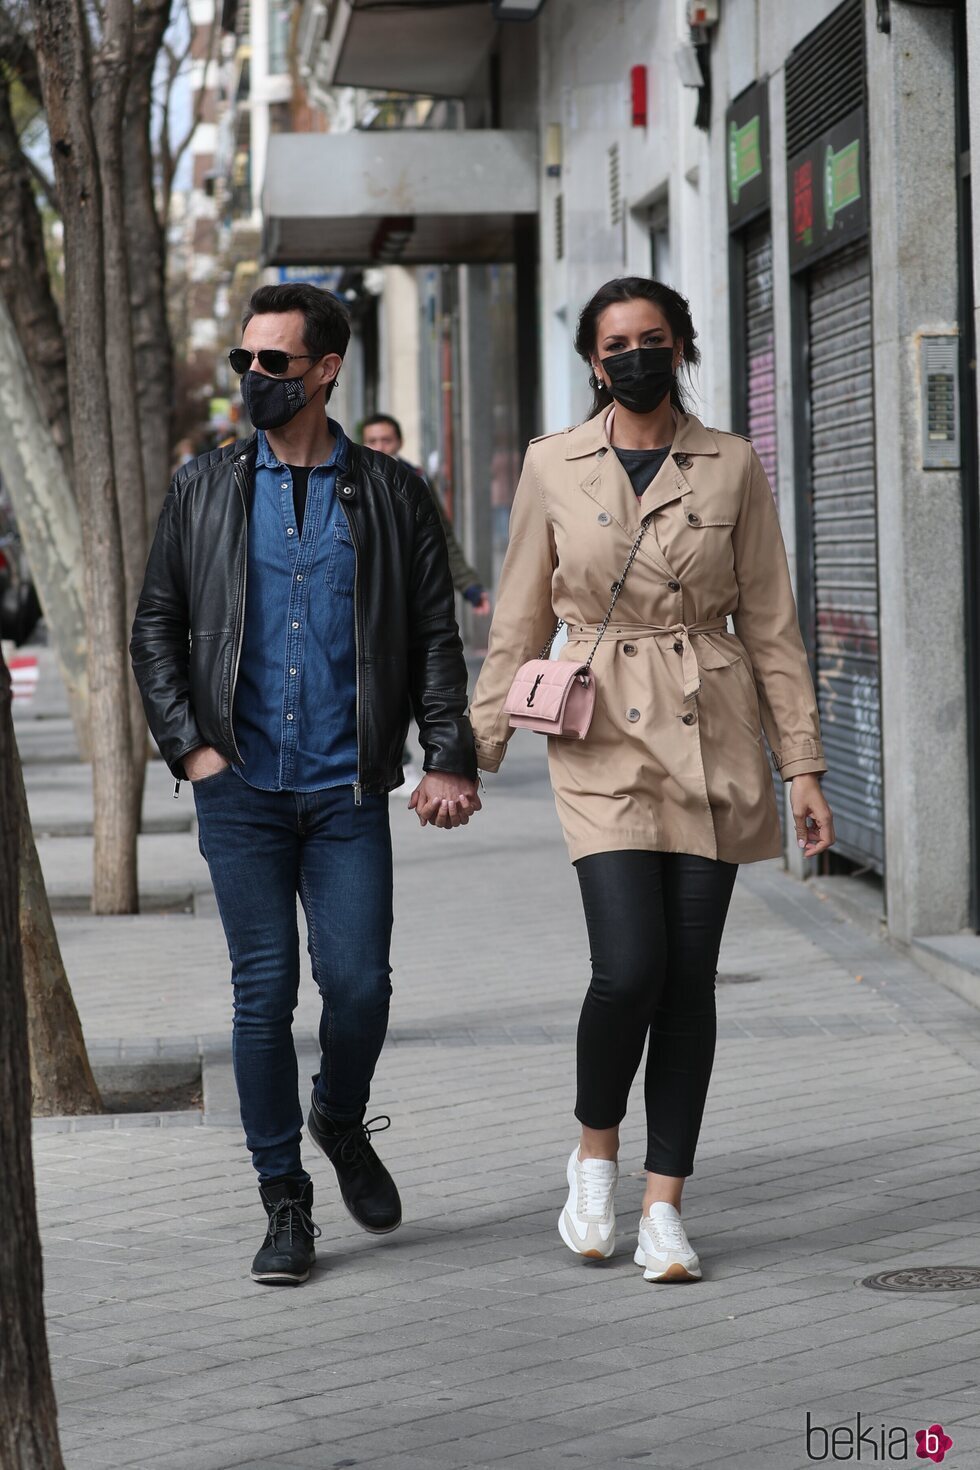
{"x": 366, "y": 1187}
{"x": 287, "y": 1252}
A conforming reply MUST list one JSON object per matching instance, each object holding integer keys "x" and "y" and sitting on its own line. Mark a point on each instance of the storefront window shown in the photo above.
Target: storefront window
{"x": 279, "y": 15}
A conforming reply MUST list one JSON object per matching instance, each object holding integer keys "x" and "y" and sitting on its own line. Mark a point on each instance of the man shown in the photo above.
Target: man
{"x": 383, "y": 433}
{"x": 297, "y": 601}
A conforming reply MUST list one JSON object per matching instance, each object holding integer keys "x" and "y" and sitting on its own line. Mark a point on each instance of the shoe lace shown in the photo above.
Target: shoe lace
{"x": 596, "y": 1194}
{"x": 286, "y": 1215}
{"x": 669, "y": 1232}
{"x": 356, "y": 1147}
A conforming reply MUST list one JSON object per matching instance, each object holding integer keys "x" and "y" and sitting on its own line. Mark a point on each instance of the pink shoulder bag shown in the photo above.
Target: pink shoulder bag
{"x": 557, "y": 697}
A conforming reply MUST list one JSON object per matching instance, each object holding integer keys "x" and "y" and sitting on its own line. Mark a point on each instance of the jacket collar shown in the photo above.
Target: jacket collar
{"x": 691, "y": 437}
{"x": 605, "y": 480}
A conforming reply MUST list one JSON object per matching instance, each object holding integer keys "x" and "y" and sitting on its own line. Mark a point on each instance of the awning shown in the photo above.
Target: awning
{"x": 406, "y": 196}
{"x": 431, "y": 48}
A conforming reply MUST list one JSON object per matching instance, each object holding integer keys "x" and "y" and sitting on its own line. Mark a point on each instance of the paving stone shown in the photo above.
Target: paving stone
{"x": 838, "y": 1138}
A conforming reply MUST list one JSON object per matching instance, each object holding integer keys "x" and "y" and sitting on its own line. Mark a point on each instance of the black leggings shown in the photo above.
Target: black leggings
{"x": 655, "y": 922}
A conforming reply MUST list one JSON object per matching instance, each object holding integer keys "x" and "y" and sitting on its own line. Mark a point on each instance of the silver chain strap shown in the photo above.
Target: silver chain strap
{"x": 617, "y": 588}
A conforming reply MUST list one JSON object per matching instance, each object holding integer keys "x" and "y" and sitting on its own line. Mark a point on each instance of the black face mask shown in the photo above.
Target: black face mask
{"x": 272, "y": 402}
{"x": 640, "y": 379}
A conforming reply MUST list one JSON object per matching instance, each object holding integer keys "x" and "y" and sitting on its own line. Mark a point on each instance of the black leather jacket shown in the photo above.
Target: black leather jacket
{"x": 187, "y": 634}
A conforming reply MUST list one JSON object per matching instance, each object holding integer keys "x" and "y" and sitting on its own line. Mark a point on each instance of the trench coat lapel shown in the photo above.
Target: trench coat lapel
{"x": 603, "y": 479}
{"x": 607, "y": 483}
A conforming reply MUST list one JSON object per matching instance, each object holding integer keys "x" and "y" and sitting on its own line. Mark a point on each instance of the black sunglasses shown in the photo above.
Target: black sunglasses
{"x": 271, "y": 360}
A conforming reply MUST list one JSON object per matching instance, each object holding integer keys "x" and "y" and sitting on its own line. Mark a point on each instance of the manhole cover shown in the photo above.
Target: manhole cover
{"x": 926, "y": 1278}
{"x": 736, "y": 979}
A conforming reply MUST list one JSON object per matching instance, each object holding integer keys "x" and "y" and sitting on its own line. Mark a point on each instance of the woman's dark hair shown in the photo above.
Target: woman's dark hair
{"x": 636, "y": 288}
{"x": 326, "y": 324}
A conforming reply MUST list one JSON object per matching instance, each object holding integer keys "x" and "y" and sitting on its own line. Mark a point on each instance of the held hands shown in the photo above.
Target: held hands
{"x": 813, "y": 817}
{"x": 444, "y": 800}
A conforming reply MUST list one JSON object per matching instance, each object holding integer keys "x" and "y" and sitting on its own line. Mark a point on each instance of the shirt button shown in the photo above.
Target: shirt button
{"x": 284, "y": 485}
{"x": 686, "y": 719}
{"x": 289, "y": 531}
{"x": 292, "y": 671}
{"x": 299, "y": 576}
{"x": 674, "y": 586}
{"x": 296, "y": 625}
{"x": 603, "y": 518}
{"x": 678, "y": 648}
{"x": 289, "y": 717}
{"x": 632, "y": 715}
{"x": 629, "y": 649}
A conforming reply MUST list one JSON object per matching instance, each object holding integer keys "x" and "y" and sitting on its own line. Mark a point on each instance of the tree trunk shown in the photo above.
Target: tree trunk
{"x": 62, "y": 1083}
{"x": 47, "y": 518}
{"x": 146, "y": 240}
{"x": 26, "y": 285}
{"x": 28, "y": 1414}
{"x": 62, "y": 43}
{"x": 110, "y": 75}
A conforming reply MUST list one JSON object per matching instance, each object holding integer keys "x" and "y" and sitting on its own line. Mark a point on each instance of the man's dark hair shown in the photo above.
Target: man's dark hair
{"x": 326, "y": 324}
{"x": 383, "y": 418}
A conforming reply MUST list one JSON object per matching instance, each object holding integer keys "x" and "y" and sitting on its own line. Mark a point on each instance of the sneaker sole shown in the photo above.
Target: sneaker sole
{"x": 279, "y": 1278}
{"x": 673, "y": 1272}
{"x": 591, "y": 1255}
{"x": 371, "y": 1229}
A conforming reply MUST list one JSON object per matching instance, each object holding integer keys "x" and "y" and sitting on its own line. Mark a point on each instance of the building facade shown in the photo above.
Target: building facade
{"x": 801, "y": 175}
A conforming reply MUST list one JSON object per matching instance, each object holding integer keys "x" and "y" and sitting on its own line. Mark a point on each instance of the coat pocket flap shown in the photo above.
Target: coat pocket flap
{"x": 714, "y": 652}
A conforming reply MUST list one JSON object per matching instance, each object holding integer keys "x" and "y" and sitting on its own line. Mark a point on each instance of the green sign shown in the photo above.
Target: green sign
{"x": 744, "y": 155}
{"x": 828, "y": 191}
{"x": 841, "y": 180}
{"x": 747, "y": 143}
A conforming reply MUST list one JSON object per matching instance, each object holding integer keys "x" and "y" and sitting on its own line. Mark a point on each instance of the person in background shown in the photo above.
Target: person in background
{"x": 383, "y": 433}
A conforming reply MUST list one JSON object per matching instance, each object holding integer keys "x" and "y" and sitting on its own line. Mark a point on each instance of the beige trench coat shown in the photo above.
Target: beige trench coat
{"x": 674, "y": 760}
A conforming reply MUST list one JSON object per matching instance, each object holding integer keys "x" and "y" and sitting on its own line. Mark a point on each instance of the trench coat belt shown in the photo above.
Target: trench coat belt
{"x": 680, "y": 632}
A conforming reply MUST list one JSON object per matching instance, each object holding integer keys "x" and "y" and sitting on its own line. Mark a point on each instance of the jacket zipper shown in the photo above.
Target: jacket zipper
{"x": 357, "y": 647}
{"x": 241, "y": 626}
{"x": 241, "y": 616}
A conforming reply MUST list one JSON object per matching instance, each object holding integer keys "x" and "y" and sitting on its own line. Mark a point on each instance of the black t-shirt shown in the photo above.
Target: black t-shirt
{"x": 642, "y": 464}
{"x": 301, "y": 480}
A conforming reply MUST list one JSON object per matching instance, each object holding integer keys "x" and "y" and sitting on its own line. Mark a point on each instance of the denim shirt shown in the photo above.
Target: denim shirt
{"x": 295, "y": 713}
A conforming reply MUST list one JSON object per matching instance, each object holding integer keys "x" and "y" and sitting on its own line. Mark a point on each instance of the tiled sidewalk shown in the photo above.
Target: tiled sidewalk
{"x": 839, "y": 1139}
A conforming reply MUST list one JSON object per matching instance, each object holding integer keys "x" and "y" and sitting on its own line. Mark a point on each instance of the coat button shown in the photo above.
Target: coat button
{"x": 688, "y": 719}
{"x": 603, "y": 518}
{"x": 629, "y": 649}
{"x": 678, "y": 647}
{"x": 632, "y": 715}
{"x": 694, "y": 520}
{"x": 683, "y": 461}
{"x": 600, "y": 453}
{"x": 674, "y": 586}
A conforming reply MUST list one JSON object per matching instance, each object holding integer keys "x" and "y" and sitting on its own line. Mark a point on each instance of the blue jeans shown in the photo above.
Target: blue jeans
{"x": 263, "y": 848}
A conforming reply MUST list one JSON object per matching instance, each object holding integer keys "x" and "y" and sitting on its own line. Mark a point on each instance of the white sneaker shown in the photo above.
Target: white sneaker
{"x": 587, "y": 1224}
{"x": 663, "y": 1247}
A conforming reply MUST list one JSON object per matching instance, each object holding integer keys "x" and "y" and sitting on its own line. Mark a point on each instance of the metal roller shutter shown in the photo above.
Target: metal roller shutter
{"x": 761, "y": 364}
{"x": 844, "y": 548}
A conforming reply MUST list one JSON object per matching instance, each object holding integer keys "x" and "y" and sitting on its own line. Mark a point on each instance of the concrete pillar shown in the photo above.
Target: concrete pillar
{"x": 472, "y": 512}
{"x": 914, "y": 271}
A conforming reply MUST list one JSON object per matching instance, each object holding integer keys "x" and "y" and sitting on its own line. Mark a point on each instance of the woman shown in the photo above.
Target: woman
{"x": 671, "y": 789}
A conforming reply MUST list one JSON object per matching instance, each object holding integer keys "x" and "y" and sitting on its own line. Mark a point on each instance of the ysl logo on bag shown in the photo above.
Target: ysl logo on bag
{"x": 534, "y": 690}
